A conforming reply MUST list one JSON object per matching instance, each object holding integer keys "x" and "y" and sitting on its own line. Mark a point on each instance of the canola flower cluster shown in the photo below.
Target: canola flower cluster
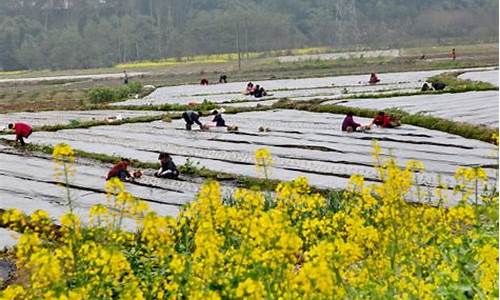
{"x": 219, "y": 58}
{"x": 291, "y": 244}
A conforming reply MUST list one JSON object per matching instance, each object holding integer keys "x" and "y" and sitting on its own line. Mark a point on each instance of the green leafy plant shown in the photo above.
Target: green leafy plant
{"x": 104, "y": 95}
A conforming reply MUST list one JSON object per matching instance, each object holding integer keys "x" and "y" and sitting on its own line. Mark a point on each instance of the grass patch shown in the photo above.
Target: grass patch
{"x": 106, "y": 95}
{"x": 13, "y": 72}
{"x": 88, "y": 124}
{"x": 457, "y": 85}
{"x": 456, "y": 90}
{"x": 104, "y": 158}
{"x": 204, "y": 106}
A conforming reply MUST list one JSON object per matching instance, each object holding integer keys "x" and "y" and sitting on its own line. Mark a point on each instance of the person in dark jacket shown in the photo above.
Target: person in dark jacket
{"x": 425, "y": 87}
{"x": 191, "y": 117}
{"x": 218, "y": 120}
{"x": 223, "y": 78}
{"x": 438, "y": 86}
{"x": 263, "y": 92}
{"x": 23, "y": 131}
{"x": 167, "y": 168}
{"x": 120, "y": 170}
{"x": 259, "y": 92}
{"x": 348, "y": 124}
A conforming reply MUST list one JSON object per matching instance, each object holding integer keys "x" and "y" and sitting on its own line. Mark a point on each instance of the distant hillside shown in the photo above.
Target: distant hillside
{"x": 62, "y": 34}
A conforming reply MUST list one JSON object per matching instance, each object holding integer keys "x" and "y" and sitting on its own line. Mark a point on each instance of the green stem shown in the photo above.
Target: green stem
{"x": 68, "y": 192}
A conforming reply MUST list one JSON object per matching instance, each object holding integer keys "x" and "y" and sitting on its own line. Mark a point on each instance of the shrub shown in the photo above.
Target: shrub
{"x": 121, "y": 93}
{"x": 134, "y": 87}
{"x": 457, "y": 85}
{"x": 101, "y": 95}
{"x": 104, "y": 95}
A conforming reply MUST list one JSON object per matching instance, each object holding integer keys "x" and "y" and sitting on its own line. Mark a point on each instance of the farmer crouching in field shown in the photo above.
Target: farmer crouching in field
{"x": 191, "y": 117}
{"x": 120, "y": 170}
{"x": 218, "y": 120}
{"x": 385, "y": 121}
{"x": 348, "y": 124}
{"x": 373, "y": 79}
{"x": 259, "y": 92}
{"x": 23, "y": 131}
{"x": 167, "y": 168}
{"x": 250, "y": 89}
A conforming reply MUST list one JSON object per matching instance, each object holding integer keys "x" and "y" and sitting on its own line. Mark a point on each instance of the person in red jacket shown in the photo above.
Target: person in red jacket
{"x": 373, "y": 79}
{"x": 120, "y": 170}
{"x": 385, "y": 121}
{"x": 23, "y": 131}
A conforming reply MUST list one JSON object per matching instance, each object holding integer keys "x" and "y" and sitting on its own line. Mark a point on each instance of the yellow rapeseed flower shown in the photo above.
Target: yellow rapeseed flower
{"x": 263, "y": 160}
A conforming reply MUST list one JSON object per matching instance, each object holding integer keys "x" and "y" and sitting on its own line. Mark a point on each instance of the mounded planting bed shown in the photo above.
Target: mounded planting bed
{"x": 302, "y": 143}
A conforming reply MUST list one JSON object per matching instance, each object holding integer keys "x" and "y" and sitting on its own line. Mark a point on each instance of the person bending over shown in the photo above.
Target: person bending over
{"x": 425, "y": 87}
{"x": 120, "y": 170}
{"x": 167, "y": 168}
{"x": 263, "y": 92}
{"x": 385, "y": 121}
{"x": 259, "y": 92}
{"x": 223, "y": 78}
{"x": 191, "y": 117}
{"x": 438, "y": 86}
{"x": 250, "y": 89}
{"x": 22, "y": 130}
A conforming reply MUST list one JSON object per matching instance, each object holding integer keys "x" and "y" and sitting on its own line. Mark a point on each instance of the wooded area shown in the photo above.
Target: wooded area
{"x": 63, "y": 34}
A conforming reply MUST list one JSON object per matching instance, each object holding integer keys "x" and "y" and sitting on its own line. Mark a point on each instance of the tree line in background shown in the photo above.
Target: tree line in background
{"x": 63, "y": 34}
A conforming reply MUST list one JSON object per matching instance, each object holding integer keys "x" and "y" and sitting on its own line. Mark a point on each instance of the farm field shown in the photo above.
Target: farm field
{"x": 54, "y": 117}
{"x": 299, "y": 89}
{"x": 302, "y": 143}
{"x": 479, "y": 108}
{"x": 154, "y": 150}
{"x": 487, "y": 76}
{"x": 34, "y": 186}
{"x": 287, "y": 145}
